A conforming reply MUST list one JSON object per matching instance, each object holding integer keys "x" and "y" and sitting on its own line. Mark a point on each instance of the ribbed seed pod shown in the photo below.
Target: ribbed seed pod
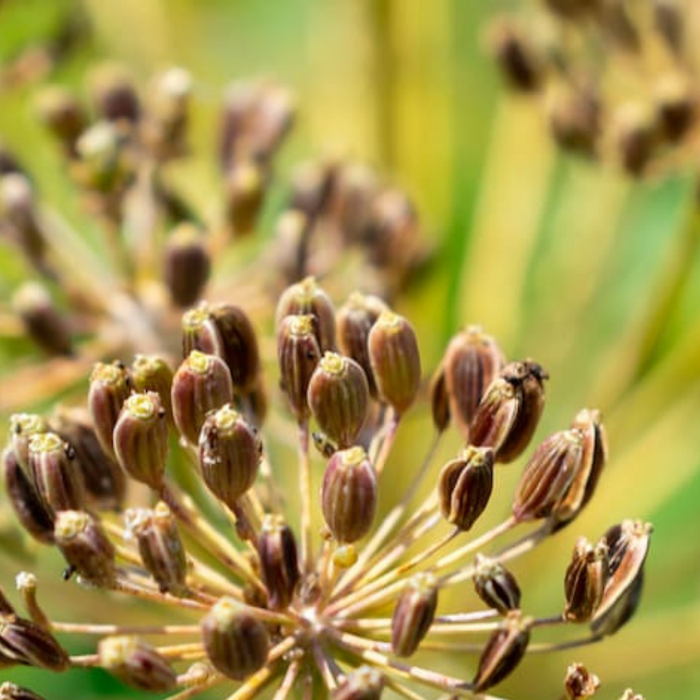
{"x": 471, "y": 362}
{"x": 510, "y": 410}
{"x": 495, "y": 585}
{"x": 585, "y": 580}
{"x": 22, "y": 427}
{"x": 56, "y": 474}
{"x": 199, "y": 332}
{"x": 42, "y": 321}
{"x": 349, "y": 495}
{"x": 628, "y": 544}
{"x": 245, "y": 194}
{"x": 141, "y": 439}
{"x": 364, "y": 683}
{"x": 503, "y": 652}
{"x": 236, "y": 642}
{"x": 10, "y": 691}
{"x": 28, "y": 643}
{"x": 593, "y": 459}
{"x": 338, "y": 396}
{"x": 355, "y": 320}
{"x": 465, "y": 485}
{"x": 579, "y": 683}
{"x": 30, "y": 509}
{"x": 439, "y": 400}
{"x": 201, "y": 384}
{"x": 104, "y": 479}
{"x": 414, "y": 614}
{"x": 86, "y": 547}
{"x": 186, "y": 264}
{"x": 239, "y": 346}
{"x": 279, "y": 565}
{"x": 548, "y": 475}
{"x": 110, "y": 386}
{"x": 230, "y": 451}
{"x": 298, "y": 353}
{"x": 306, "y": 298}
{"x": 160, "y": 546}
{"x": 137, "y": 663}
{"x": 154, "y": 373}
{"x": 395, "y": 360}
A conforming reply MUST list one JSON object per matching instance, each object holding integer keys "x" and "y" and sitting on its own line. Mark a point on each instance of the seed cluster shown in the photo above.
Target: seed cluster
{"x": 279, "y": 601}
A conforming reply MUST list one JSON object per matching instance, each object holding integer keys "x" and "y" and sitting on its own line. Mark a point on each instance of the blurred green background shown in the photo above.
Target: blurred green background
{"x": 595, "y": 276}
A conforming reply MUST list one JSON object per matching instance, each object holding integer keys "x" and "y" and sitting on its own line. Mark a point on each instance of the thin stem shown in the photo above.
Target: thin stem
{"x": 305, "y": 494}
{"x": 288, "y": 681}
{"x": 392, "y": 423}
{"x": 359, "y": 647}
{"x": 560, "y": 646}
{"x": 85, "y": 628}
{"x": 125, "y": 585}
{"x": 322, "y": 660}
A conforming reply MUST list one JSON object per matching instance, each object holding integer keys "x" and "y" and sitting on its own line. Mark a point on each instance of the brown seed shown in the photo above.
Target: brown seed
{"x": 201, "y": 384}
{"x": 86, "y": 547}
{"x": 245, "y": 194}
{"x": 338, "y": 396}
{"x": 28, "y": 643}
{"x": 110, "y": 386}
{"x": 579, "y": 683}
{"x": 298, "y": 354}
{"x": 306, "y": 298}
{"x": 510, "y": 410}
{"x": 548, "y": 475}
{"x": 55, "y": 472}
{"x": 43, "y": 322}
{"x": 395, "y": 360}
{"x": 279, "y": 566}
{"x": 349, "y": 495}
{"x": 30, "y": 509}
{"x": 628, "y": 545}
{"x": 471, "y": 362}
{"x": 137, "y": 663}
{"x": 230, "y": 451}
{"x": 104, "y": 479}
{"x": 160, "y": 546}
{"x": 355, "y": 320}
{"x": 503, "y": 652}
{"x": 495, "y": 585}
{"x": 465, "y": 485}
{"x": 516, "y": 57}
{"x": 585, "y": 580}
{"x": 439, "y": 400}
{"x": 186, "y": 264}
{"x": 414, "y": 614}
{"x": 236, "y": 642}
{"x": 141, "y": 439}
{"x": 22, "y": 427}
